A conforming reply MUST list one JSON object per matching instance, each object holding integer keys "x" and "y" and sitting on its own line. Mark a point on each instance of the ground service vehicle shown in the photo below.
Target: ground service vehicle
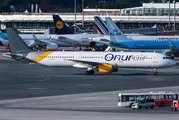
{"x": 145, "y": 103}
{"x": 175, "y": 105}
{"x": 161, "y": 98}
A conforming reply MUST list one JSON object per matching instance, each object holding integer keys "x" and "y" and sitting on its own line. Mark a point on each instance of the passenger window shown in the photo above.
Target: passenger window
{"x": 143, "y": 101}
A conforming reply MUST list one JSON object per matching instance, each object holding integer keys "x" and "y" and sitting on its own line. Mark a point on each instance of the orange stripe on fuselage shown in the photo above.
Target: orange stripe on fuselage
{"x": 43, "y": 56}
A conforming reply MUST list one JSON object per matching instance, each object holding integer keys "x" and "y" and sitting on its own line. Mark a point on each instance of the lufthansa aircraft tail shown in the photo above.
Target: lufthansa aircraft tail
{"x": 15, "y": 41}
{"x": 60, "y": 26}
{"x": 115, "y": 33}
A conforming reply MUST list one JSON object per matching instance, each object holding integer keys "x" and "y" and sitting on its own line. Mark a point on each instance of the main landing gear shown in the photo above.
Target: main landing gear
{"x": 155, "y": 71}
{"x": 90, "y": 72}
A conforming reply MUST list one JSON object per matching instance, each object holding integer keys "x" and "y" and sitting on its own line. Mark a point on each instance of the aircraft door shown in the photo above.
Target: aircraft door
{"x": 155, "y": 58}
{"x": 32, "y": 56}
{"x": 76, "y": 40}
{"x": 78, "y": 57}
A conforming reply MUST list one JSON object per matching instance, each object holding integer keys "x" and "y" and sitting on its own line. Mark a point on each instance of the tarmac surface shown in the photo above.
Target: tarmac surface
{"x": 34, "y": 92}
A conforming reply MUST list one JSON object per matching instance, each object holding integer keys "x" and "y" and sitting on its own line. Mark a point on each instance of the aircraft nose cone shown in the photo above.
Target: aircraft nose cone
{"x": 172, "y": 63}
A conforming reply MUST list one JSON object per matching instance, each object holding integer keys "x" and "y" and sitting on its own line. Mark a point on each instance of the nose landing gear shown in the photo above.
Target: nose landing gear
{"x": 155, "y": 71}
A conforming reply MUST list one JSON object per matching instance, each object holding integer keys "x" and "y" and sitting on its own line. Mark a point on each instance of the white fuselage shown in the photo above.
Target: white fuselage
{"x": 117, "y": 59}
{"x": 28, "y": 39}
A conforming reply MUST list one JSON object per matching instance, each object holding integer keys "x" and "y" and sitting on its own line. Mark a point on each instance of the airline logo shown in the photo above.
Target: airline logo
{"x": 59, "y": 24}
{"x": 110, "y": 57}
{"x": 115, "y": 33}
{"x": 101, "y": 26}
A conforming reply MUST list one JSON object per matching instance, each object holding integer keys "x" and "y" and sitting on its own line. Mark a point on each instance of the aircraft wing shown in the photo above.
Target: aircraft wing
{"x": 101, "y": 40}
{"x": 64, "y": 39}
{"x": 89, "y": 63}
{"x": 172, "y": 48}
{"x": 174, "y": 52}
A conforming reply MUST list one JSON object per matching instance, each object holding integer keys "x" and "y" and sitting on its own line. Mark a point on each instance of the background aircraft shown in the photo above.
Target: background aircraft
{"x": 104, "y": 62}
{"x": 143, "y": 43}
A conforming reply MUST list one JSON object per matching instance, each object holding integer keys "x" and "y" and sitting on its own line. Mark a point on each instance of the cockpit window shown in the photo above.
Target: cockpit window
{"x": 166, "y": 58}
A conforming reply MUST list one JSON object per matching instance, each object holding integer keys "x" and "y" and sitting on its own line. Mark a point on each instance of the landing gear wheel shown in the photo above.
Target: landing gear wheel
{"x": 91, "y": 72}
{"x": 87, "y": 72}
{"x": 155, "y": 71}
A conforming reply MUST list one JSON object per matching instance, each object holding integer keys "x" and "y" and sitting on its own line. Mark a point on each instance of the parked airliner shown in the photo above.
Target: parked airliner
{"x": 104, "y": 62}
{"x": 141, "y": 43}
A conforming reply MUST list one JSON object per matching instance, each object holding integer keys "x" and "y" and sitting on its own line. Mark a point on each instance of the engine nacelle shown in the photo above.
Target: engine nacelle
{"x": 106, "y": 68}
{"x": 52, "y": 46}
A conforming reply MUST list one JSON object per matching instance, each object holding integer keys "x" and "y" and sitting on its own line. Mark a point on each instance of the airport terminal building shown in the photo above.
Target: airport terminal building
{"x": 148, "y": 15}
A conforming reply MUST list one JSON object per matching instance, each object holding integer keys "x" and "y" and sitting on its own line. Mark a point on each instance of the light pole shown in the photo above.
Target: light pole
{"x": 75, "y": 17}
{"x": 169, "y": 14}
{"x": 83, "y": 13}
{"x": 174, "y": 13}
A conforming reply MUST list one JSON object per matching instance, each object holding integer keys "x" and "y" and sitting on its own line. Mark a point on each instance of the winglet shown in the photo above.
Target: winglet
{"x": 34, "y": 37}
{"x": 60, "y": 26}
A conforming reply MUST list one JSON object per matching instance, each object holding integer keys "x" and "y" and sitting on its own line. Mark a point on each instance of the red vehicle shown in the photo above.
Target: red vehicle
{"x": 175, "y": 105}
{"x": 8, "y": 49}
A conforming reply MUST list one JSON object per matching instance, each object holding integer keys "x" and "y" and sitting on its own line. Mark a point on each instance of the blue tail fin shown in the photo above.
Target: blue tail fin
{"x": 60, "y": 26}
{"x": 4, "y": 36}
{"x": 114, "y": 32}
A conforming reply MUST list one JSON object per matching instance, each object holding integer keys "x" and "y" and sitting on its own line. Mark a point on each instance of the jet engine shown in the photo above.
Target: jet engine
{"x": 107, "y": 68}
{"x": 52, "y": 46}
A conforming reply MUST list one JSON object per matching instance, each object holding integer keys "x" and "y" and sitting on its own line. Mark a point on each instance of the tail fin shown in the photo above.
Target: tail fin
{"x": 4, "y": 36}
{"x": 60, "y": 26}
{"x": 114, "y": 32}
{"x": 15, "y": 41}
{"x": 101, "y": 26}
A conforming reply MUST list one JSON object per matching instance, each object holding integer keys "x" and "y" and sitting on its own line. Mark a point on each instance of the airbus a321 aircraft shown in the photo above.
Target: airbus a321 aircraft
{"x": 104, "y": 62}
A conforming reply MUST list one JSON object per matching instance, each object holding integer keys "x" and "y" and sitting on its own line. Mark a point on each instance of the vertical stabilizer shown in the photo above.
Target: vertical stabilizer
{"x": 15, "y": 41}
{"x": 114, "y": 32}
{"x": 101, "y": 26}
{"x": 60, "y": 26}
